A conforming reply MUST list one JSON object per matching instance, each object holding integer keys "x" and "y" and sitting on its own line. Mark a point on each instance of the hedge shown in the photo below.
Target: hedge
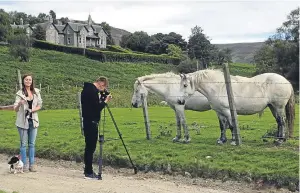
{"x": 107, "y": 56}
{"x": 114, "y": 48}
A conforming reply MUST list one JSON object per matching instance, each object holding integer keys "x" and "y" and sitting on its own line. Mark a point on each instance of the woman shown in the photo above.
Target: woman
{"x": 28, "y": 102}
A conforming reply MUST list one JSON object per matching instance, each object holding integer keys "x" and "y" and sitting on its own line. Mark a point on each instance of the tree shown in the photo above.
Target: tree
{"x": 220, "y": 56}
{"x": 159, "y": 42}
{"x": 280, "y": 53}
{"x": 137, "y": 41}
{"x": 199, "y": 46}
{"x": 64, "y": 20}
{"x": 42, "y": 16}
{"x": 154, "y": 47}
{"x": 39, "y": 33}
{"x": 20, "y": 47}
{"x": 174, "y": 51}
{"x": 5, "y": 28}
{"x": 53, "y": 15}
{"x": 106, "y": 27}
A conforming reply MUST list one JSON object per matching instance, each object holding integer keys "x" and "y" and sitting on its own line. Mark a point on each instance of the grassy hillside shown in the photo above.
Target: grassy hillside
{"x": 242, "y": 52}
{"x": 61, "y": 76}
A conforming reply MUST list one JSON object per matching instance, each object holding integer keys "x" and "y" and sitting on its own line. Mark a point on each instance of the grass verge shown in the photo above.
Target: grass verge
{"x": 59, "y": 138}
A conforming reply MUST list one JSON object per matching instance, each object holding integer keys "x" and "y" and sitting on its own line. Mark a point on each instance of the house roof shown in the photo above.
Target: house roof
{"x": 75, "y": 26}
{"x": 43, "y": 25}
{"x": 98, "y": 28}
{"x": 59, "y": 28}
{"x": 14, "y": 26}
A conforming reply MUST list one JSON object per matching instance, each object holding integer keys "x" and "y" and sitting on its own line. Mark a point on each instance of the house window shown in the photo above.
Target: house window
{"x": 69, "y": 40}
{"x": 79, "y": 39}
{"x": 98, "y": 41}
{"x": 101, "y": 41}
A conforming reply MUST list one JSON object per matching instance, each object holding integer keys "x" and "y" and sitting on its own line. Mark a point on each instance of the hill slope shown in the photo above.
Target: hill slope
{"x": 242, "y": 52}
{"x": 61, "y": 75}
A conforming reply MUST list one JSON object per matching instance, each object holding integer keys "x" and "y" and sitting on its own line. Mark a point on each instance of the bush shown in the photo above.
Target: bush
{"x": 187, "y": 66}
{"x": 19, "y": 47}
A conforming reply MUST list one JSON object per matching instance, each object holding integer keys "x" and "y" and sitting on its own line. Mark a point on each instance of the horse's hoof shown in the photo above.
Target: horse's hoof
{"x": 232, "y": 143}
{"x": 278, "y": 142}
{"x": 175, "y": 139}
{"x": 220, "y": 142}
{"x": 186, "y": 141}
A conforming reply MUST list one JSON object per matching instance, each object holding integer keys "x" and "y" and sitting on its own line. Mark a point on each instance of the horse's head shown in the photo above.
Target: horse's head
{"x": 139, "y": 90}
{"x": 186, "y": 88}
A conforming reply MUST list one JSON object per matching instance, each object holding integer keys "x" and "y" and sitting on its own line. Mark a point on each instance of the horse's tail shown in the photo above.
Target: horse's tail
{"x": 290, "y": 114}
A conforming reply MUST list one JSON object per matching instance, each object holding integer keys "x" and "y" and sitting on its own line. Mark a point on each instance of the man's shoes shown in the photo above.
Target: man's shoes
{"x": 92, "y": 176}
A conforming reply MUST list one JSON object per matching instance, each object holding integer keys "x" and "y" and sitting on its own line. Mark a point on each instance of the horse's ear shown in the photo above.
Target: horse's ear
{"x": 182, "y": 75}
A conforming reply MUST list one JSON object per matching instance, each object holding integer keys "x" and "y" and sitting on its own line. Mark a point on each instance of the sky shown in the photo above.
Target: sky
{"x": 222, "y": 21}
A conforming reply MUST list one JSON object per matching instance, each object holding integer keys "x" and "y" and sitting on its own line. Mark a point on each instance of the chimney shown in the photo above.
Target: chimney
{"x": 50, "y": 19}
{"x": 21, "y": 21}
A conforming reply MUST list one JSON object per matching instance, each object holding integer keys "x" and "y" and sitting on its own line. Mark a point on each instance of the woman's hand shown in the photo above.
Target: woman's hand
{"x": 22, "y": 102}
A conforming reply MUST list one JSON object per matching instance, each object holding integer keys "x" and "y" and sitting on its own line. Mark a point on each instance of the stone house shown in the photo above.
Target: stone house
{"x": 73, "y": 34}
{"x": 27, "y": 27}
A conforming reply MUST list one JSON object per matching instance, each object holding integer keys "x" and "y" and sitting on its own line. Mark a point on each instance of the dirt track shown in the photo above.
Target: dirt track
{"x": 63, "y": 176}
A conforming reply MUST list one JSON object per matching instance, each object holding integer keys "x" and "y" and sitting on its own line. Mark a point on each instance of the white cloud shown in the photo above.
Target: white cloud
{"x": 223, "y": 22}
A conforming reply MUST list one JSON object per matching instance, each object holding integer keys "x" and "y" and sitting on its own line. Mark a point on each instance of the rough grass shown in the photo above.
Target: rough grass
{"x": 2, "y": 191}
{"x": 61, "y": 76}
{"x": 59, "y": 138}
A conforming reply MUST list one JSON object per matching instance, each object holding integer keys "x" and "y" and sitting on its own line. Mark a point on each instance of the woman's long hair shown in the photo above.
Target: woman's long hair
{"x": 31, "y": 86}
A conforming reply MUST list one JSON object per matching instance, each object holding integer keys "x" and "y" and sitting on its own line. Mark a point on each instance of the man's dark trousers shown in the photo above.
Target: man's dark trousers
{"x": 90, "y": 129}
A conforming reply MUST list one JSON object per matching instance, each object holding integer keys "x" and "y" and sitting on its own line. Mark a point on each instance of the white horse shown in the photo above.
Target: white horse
{"x": 251, "y": 95}
{"x": 167, "y": 86}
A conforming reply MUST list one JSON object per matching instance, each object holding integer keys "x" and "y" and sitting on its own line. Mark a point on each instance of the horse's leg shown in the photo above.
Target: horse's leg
{"x": 223, "y": 127}
{"x": 180, "y": 110}
{"x": 280, "y": 116}
{"x": 178, "y": 123}
{"x": 233, "y": 142}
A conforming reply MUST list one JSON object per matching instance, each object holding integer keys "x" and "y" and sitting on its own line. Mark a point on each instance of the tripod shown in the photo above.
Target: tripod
{"x": 101, "y": 141}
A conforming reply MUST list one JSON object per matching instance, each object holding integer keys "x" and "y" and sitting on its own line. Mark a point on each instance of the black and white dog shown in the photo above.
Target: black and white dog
{"x": 16, "y": 164}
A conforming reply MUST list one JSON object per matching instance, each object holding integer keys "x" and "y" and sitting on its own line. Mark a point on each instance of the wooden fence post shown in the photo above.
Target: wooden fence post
{"x": 80, "y": 112}
{"x": 19, "y": 79}
{"x": 236, "y": 130}
{"x": 146, "y": 117}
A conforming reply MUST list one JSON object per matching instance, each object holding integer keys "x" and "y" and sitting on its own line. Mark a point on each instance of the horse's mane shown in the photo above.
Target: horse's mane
{"x": 154, "y": 75}
{"x": 216, "y": 74}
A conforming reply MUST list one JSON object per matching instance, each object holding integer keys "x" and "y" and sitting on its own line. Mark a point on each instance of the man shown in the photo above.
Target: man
{"x": 92, "y": 106}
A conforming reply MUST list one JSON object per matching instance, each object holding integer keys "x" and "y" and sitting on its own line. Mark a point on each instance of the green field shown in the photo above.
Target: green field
{"x": 59, "y": 138}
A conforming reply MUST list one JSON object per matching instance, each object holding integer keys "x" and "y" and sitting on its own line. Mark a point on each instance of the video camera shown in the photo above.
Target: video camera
{"x": 103, "y": 95}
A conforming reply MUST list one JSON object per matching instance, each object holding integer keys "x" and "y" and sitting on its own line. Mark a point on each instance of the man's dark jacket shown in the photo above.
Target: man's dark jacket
{"x": 91, "y": 105}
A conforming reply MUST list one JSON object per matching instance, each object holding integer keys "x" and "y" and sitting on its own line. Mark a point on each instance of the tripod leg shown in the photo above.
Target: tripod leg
{"x": 134, "y": 167}
{"x": 101, "y": 140}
